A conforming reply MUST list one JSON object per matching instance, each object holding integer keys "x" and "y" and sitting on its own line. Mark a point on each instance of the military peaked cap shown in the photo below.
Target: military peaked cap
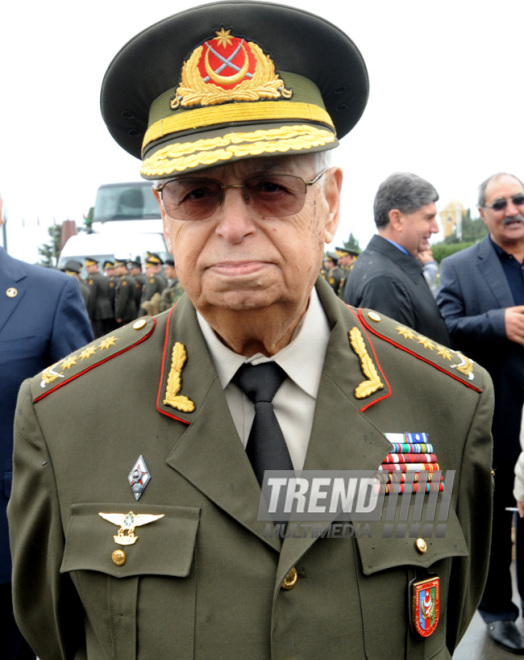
{"x": 231, "y": 80}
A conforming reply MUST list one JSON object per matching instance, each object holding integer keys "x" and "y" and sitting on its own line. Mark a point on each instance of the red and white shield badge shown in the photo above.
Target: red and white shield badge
{"x": 425, "y": 605}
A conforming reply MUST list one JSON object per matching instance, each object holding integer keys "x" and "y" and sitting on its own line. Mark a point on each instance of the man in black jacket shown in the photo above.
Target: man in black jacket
{"x": 388, "y": 275}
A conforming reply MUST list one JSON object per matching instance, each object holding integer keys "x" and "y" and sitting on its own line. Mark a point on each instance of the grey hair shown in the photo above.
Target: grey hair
{"x": 482, "y": 188}
{"x": 403, "y": 191}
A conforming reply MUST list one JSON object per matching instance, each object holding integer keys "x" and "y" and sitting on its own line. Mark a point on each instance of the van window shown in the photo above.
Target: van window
{"x": 125, "y": 201}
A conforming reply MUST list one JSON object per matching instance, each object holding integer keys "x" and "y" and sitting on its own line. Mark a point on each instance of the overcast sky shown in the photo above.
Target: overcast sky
{"x": 445, "y": 102}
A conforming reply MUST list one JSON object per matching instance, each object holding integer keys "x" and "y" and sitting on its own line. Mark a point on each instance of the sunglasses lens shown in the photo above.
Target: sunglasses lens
{"x": 196, "y": 199}
{"x": 276, "y": 196}
{"x": 191, "y": 199}
{"x": 518, "y": 200}
{"x": 499, "y": 205}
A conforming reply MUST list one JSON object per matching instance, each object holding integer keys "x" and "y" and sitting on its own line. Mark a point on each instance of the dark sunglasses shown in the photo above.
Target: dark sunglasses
{"x": 501, "y": 204}
{"x": 269, "y": 195}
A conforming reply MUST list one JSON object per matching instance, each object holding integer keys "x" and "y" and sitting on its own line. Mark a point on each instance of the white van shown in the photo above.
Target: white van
{"x": 112, "y": 245}
{"x": 126, "y": 207}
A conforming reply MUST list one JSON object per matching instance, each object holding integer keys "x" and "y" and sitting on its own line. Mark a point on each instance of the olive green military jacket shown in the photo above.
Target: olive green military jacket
{"x": 204, "y": 578}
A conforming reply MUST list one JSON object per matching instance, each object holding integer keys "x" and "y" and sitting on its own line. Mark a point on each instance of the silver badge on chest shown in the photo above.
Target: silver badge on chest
{"x": 139, "y": 477}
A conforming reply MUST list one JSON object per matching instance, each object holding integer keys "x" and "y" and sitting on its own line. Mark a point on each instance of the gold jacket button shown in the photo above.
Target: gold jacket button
{"x": 290, "y": 580}
{"x": 421, "y": 546}
{"x": 119, "y": 557}
{"x": 374, "y": 316}
{"x": 139, "y": 325}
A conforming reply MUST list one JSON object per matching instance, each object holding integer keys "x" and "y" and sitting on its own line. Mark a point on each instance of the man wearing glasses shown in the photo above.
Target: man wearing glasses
{"x": 482, "y": 300}
{"x": 139, "y": 461}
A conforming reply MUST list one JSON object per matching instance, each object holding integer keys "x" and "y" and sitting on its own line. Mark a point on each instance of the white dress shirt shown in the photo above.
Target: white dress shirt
{"x": 294, "y": 403}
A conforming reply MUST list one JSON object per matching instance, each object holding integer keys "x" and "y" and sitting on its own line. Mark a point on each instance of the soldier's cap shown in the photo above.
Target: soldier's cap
{"x": 170, "y": 262}
{"x": 343, "y": 251}
{"x": 232, "y": 80}
{"x": 108, "y": 264}
{"x": 72, "y": 267}
{"x": 134, "y": 263}
{"x": 332, "y": 256}
{"x": 120, "y": 262}
{"x": 153, "y": 260}
{"x": 91, "y": 261}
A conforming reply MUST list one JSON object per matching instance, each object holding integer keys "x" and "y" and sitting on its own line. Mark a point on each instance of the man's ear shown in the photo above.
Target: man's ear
{"x": 332, "y": 190}
{"x": 482, "y": 214}
{"x": 396, "y": 219}
{"x": 165, "y": 221}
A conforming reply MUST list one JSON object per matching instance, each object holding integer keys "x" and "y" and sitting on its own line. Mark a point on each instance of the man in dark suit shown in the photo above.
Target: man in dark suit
{"x": 141, "y": 534}
{"x": 42, "y": 319}
{"x": 482, "y": 299}
{"x": 388, "y": 276}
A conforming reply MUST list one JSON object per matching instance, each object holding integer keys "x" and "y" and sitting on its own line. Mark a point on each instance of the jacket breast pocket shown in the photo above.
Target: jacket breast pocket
{"x": 392, "y": 558}
{"x": 134, "y": 573}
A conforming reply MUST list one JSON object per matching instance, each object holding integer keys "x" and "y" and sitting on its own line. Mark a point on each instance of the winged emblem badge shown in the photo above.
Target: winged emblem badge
{"x": 127, "y": 523}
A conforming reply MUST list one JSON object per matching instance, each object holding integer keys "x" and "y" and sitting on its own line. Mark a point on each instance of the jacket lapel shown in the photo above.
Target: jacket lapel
{"x": 209, "y": 453}
{"x": 12, "y": 288}
{"x": 491, "y": 270}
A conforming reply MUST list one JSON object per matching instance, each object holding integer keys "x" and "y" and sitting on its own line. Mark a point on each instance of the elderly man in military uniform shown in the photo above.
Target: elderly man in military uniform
{"x": 137, "y": 518}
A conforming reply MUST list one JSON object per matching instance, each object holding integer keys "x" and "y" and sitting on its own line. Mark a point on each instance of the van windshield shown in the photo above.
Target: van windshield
{"x": 125, "y": 201}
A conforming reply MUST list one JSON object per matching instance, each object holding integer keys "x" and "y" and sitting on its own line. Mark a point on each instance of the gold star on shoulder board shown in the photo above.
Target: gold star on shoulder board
{"x": 427, "y": 343}
{"x": 107, "y": 343}
{"x": 87, "y": 353}
{"x": 405, "y": 332}
{"x": 444, "y": 352}
{"x": 69, "y": 362}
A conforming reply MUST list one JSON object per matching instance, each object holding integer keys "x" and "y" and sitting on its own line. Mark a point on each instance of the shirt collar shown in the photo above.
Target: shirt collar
{"x": 311, "y": 338}
{"x": 402, "y": 249}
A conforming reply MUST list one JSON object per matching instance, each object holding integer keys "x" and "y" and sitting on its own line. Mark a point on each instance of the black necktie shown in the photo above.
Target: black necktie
{"x": 266, "y": 447}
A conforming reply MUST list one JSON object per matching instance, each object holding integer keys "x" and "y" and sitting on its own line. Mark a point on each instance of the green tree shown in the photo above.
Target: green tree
{"x": 88, "y": 221}
{"x": 49, "y": 252}
{"x": 473, "y": 230}
{"x": 352, "y": 243}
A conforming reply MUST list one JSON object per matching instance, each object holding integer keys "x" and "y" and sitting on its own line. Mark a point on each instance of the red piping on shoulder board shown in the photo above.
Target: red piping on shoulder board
{"x": 416, "y": 355}
{"x": 388, "y": 394}
{"x": 162, "y": 374}
{"x": 96, "y": 364}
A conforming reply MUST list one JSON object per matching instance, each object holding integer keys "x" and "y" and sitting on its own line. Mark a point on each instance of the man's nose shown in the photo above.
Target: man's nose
{"x": 235, "y": 217}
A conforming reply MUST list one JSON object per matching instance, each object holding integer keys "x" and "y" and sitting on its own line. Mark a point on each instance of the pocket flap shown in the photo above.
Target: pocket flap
{"x": 381, "y": 549}
{"x": 164, "y": 545}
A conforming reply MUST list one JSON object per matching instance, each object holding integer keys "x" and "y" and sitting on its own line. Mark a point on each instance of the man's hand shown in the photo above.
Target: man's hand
{"x": 425, "y": 256}
{"x": 514, "y": 320}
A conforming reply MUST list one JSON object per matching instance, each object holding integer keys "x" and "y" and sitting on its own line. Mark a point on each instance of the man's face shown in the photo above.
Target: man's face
{"x": 417, "y": 228}
{"x": 506, "y": 226}
{"x": 238, "y": 260}
{"x": 169, "y": 271}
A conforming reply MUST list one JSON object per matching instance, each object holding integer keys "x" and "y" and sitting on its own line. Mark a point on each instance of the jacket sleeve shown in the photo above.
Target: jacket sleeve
{"x": 474, "y": 510}
{"x": 518, "y": 489}
{"x": 71, "y": 327}
{"x": 46, "y": 605}
{"x": 455, "y": 308}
